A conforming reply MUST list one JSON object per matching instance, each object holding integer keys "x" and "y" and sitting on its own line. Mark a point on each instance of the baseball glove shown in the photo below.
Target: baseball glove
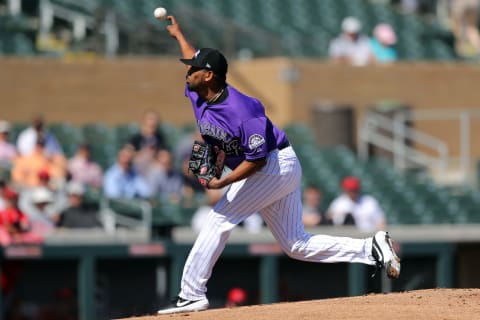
{"x": 206, "y": 162}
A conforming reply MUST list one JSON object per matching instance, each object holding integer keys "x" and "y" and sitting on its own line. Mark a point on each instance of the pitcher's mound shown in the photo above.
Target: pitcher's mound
{"x": 410, "y": 305}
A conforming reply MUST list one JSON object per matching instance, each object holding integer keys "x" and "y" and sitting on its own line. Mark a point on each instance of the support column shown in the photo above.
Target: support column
{"x": 86, "y": 288}
{"x": 269, "y": 279}
{"x": 357, "y": 279}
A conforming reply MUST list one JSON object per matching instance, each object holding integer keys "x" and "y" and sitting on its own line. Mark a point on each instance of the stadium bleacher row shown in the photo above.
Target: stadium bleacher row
{"x": 410, "y": 198}
{"x": 299, "y": 28}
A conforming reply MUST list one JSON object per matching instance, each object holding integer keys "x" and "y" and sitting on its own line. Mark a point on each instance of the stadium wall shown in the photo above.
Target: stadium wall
{"x": 117, "y": 91}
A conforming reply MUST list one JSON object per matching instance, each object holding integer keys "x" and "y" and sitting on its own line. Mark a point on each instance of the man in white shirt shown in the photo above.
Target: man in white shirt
{"x": 353, "y": 206}
{"x": 351, "y": 47}
{"x": 27, "y": 139}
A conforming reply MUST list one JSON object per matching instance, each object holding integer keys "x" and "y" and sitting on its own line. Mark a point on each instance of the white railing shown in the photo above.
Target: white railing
{"x": 393, "y": 135}
{"x": 464, "y": 118}
{"x": 112, "y": 220}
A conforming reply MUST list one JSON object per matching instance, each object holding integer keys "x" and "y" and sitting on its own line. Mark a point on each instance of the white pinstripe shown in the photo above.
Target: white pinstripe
{"x": 275, "y": 193}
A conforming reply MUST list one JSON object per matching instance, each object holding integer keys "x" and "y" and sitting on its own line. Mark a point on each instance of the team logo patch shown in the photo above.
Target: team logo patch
{"x": 255, "y": 141}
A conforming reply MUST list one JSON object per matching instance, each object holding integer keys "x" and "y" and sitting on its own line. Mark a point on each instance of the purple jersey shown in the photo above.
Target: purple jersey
{"x": 238, "y": 125}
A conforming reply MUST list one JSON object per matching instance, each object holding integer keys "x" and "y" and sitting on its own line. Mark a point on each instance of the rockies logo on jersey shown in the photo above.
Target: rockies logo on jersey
{"x": 255, "y": 141}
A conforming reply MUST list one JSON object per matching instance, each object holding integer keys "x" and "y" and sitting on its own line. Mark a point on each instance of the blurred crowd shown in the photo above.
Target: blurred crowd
{"x": 354, "y": 46}
{"x": 44, "y": 190}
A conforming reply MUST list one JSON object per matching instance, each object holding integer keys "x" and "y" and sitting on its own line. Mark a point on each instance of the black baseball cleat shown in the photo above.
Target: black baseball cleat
{"x": 384, "y": 255}
{"x": 182, "y": 305}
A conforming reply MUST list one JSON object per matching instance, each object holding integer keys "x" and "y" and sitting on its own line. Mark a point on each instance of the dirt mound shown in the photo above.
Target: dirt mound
{"x": 419, "y": 304}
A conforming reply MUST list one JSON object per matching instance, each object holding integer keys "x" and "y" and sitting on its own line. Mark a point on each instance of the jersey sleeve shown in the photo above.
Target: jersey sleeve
{"x": 254, "y": 138}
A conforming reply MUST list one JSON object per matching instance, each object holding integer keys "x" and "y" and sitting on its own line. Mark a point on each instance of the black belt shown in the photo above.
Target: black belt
{"x": 284, "y": 145}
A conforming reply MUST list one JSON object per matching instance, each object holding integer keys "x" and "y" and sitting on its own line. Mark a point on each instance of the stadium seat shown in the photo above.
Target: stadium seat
{"x": 123, "y": 133}
{"x": 68, "y": 136}
{"x": 15, "y": 130}
{"x": 103, "y": 143}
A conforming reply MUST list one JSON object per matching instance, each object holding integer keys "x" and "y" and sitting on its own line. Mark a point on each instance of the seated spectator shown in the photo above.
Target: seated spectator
{"x": 39, "y": 207}
{"x": 13, "y": 222}
{"x": 28, "y": 138}
{"x": 147, "y": 142}
{"x": 164, "y": 180}
{"x": 78, "y": 214}
{"x": 59, "y": 195}
{"x": 382, "y": 43}
{"x": 149, "y": 136}
{"x": 83, "y": 170}
{"x": 466, "y": 31}
{"x": 353, "y": 207}
{"x": 8, "y": 151}
{"x": 122, "y": 180}
{"x": 351, "y": 47}
{"x": 3, "y": 185}
{"x": 312, "y": 214}
{"x": 26, "y": 167}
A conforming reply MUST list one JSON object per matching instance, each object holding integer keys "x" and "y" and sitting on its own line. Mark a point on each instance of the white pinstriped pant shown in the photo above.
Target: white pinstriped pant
{"x": 275, "y": 192}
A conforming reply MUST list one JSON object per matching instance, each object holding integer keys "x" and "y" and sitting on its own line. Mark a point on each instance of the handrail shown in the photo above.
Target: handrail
{"x": 394, "y": 140}
{"x": 464, "y": 116}
{"x": 111, "y": 218}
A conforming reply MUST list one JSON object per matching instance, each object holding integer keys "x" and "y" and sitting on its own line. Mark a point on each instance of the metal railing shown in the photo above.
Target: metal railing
{"x": 464, "y": 118}
{"x": 395, "y": 136}
{"x": 135, "y": 214}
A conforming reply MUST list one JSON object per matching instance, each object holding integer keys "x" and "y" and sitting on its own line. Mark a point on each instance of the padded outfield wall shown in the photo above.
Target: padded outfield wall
{"x": 118, "y": 278}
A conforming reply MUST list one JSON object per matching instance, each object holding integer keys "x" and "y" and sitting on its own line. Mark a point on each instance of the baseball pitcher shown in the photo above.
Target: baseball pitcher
{"x": 265, "y": 178}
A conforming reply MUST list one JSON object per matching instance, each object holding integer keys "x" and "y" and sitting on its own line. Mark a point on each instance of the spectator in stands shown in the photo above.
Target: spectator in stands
{"x": 351, "y": 47}
{"x": 408, "y": 6}
{"x": 164, "y": 180}
{"x": 353, "y": 207}
{"x": 122, "y": 180}
{"x": 8, "y": 151}
{"x": 150, "y": 134}
{"x": 466, "y": 31}
{"x": 312, "y": 214}
{"x": 39, "y": 207}
{"x": 3, "y": 185}
{"x": 78, "y": 214}
{"x": 383, "y": 42}
{"x": 28, "y": 138}
{"x": 26, "y": 168}
{"x": 148, "y": 141}
{"x": 13, "y": 222}
{"x": 59, "y": 195}
{"x": 83, "y": 169}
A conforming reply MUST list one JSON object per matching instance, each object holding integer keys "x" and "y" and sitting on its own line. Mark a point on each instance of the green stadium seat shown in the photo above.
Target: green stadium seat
{"x": 103, "y": 143}
{"x": 123, "y": 133}
{"x": 15, "y": 130}
{"x": 68, "y": 136}
{"x": 165, "y": 213}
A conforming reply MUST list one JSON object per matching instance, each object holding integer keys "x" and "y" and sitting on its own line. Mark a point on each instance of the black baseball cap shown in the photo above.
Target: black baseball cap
{"x": 210, "y": 59}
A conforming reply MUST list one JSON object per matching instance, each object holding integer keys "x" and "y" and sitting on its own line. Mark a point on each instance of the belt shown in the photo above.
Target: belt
{"x": 284, "y": 145}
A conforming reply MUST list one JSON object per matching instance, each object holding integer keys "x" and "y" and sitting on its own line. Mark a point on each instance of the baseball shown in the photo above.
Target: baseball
{"x": 160, "y": 13}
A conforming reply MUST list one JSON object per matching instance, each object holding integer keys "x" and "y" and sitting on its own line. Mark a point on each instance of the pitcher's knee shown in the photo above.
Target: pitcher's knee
{"x": 295, "y": 248}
